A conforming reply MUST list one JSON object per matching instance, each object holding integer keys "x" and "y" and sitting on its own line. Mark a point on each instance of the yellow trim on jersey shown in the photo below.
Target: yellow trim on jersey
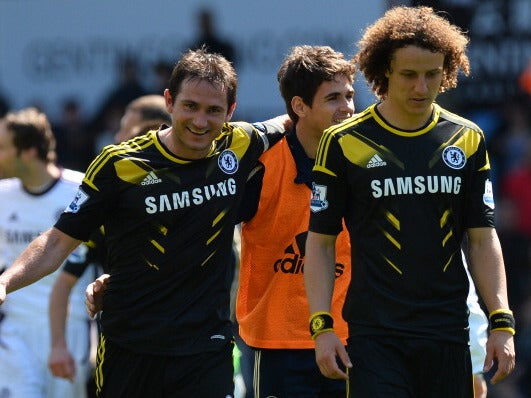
{"x": 208, "y": 258}
{"x": 449, "y": 262}
{"x": 98, "y": 373}
{"x": 159, "y": 247}
{"x": 214, "y": 236}
{"x": 448, "y": 236}
{"x": 393, "y": 265}
{"x": 109, "y": 152}
{"x": 393, "y": 220}
{"x": 392, "y": 239}
{"x": 402, "y": 133}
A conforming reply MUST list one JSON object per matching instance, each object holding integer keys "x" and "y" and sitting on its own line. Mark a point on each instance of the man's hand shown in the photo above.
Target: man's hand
{"x": 500, "y": 347}
{"x": 61, "y": 363}
{"x": 327, "y": 348}
{"x": 94, "y": 295}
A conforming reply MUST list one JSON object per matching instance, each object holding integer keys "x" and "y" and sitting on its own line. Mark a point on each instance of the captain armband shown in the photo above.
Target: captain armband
{"x": 502, "y": 320}
{"x": 321, "y": 322}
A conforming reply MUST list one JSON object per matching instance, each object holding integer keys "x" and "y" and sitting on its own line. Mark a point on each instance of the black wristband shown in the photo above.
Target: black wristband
{"x": 502, "y": 320}
{"x": 321, "y": 322}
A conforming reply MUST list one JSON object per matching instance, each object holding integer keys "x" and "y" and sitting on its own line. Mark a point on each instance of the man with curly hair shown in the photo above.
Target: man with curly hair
{"x": 412, "y": 183}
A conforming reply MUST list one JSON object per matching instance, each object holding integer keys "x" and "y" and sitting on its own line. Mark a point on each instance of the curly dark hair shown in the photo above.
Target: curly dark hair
{"x": 403, "y": 26}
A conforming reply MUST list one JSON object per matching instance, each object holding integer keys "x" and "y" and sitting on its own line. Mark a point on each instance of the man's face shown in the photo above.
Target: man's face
{"x": 9, "y": 159}
{"x": 333, "y": 102}
{"x": 415, "y": 78}
{"x": 198, "y": 114}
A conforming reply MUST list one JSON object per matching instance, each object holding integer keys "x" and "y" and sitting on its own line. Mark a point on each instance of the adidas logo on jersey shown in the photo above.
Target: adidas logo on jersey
{"x": 376, "y": 161}
{"x": 151, "y": 178}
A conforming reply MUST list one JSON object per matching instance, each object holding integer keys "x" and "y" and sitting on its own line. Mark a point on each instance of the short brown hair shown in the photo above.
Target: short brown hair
{"x": 31, "y": 129}
{"x": 305, "y": 68}
{"x": 201, "y": 65}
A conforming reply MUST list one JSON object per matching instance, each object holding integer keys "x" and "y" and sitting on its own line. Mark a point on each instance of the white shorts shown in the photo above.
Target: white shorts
{"x": 24, "y": 350}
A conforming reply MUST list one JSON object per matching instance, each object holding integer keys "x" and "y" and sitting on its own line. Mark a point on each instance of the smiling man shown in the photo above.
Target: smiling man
{"x": 168, "y": 201}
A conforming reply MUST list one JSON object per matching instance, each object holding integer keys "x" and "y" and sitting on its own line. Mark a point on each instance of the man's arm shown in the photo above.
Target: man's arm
{"x": 488, "y": 272}
{"x": 319, "y": 277}
{"x": 42, "y": 256}
{"x": 60, "y": 361}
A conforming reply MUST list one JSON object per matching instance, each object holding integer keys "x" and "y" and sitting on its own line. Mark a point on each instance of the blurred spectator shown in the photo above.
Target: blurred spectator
{"x": 514, "y": 218}
{"x": 74, "y": 140}
{"x": 162, "y": 70}
{"x": 208, "y": 36}
{"x": 106, "y": 128}
{"x": 141, "y": 115}
{"x": 524, "y": 80}
{"x": 33, "y": 192}
{"x": 107, "y": 117}
{"x": 517, "y": 133}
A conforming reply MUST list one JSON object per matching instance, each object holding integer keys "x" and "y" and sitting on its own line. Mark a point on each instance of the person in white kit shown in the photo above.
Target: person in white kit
{"x": 34, "y": 191}
{"x": 479, "y": 325}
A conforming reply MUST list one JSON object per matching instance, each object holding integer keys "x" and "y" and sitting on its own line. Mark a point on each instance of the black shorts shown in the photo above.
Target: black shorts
{"x": 292, "y": 373}
{"x": 121, "y": 373}
{"x": 386, "y": 367}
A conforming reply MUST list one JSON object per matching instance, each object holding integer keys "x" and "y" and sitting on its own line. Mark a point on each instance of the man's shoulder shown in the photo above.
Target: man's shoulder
{"x": 9, "y": 184}
{"x": 69, "y": 175}
{"x": 457, "y": 119}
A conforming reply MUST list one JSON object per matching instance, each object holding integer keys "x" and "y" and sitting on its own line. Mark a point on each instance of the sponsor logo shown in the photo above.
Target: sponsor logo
{"x": 80, "y": 198}
{"x": 293, "y": 260}
{"x": 488, "y": 196}
{"x": 318, "y": 201}
{"x": 376, "y": 161}
{"x": 194, "y": 197}
{"x": 150, "y": 179}
{"x": 228, "y": 162}
{"x": 454, "y": 157}
{"x": 415, "y": 185}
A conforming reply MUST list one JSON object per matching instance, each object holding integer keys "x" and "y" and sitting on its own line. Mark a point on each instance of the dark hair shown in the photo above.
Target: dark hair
{"x": 404, "y": 26}
{"x": 201, "y": 65}
{"x": 305, "y": 68}
{"x": 31, "y": 129}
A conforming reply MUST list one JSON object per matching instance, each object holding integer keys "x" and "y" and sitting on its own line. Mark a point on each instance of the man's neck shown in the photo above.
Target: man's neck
{"x": 309, "y": 141}
{"x": 40, "y": 177}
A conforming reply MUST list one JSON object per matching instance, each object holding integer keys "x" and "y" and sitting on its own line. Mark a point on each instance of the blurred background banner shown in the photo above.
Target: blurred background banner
{"x": 54, "y": 49}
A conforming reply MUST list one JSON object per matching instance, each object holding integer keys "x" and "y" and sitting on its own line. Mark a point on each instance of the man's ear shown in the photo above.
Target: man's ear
{"x": 298, "y": 106}
{"x": 230, "y": 112}
{"x": 169, "y": 101}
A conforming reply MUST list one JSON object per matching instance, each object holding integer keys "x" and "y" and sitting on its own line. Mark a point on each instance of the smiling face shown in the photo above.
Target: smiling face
{"x": 198, "y": 113}
{"x": 415, "y": 78}
{"x": 333, "y": 102}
